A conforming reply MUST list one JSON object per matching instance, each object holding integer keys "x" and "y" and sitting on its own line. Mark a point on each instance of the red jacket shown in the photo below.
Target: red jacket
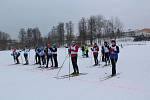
{"x": 74, "y": 50}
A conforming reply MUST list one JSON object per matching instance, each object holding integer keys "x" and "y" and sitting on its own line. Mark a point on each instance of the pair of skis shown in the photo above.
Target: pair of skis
{"x": 110, "y": 76}
{"x": 81, "y": 74}
{"x": 49, "y": 68}
{"x": 68, "y": 76}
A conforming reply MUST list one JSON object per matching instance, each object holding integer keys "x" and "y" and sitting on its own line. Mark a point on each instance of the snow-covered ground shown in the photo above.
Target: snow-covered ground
{"x": 19, "y": 82}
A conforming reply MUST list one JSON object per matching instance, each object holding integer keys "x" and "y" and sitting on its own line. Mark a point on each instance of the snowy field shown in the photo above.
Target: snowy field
{"x": 20, "y": 82}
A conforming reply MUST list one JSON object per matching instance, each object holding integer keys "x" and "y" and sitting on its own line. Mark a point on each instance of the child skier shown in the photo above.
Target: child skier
{"x": 73, "y": 50}
{"x": 54, "y": 52}
{"x": 105, "y": 51}
{"x": 42, "y": 56}
{"x": 95, "y": 51}
{"x": 114, "y": 50}
{"x": 49, "y": 55}
{"x": 86, "y": 51}
{"x": 16, "y": 55}
{"x": 26, "y": 53}
{"x": 83, "y": 50}
{"x": 13, "y": 54}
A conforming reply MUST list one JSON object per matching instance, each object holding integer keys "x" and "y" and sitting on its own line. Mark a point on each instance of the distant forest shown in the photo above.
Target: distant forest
{"x": 92, "y": 29}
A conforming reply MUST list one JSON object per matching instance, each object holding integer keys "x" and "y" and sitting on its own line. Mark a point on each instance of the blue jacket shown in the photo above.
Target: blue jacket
{"x": 114, "y": 52}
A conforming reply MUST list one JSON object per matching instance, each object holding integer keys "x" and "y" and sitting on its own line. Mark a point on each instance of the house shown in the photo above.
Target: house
{"x": 143, "y": 32}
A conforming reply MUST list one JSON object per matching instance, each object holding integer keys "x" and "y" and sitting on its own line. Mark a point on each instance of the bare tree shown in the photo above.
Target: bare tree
{"x": 92, "y": 28}
{"x": 83, "y": 30}
{"x": 100, "y": 22}
{"x": 4, "y": 40}
{"x": 52, "y": 37}
{"x": 60, "y": 32}
{"x": 22, "y": 35}
{"x": 37, "y": 39}
{"x": 116, "y": 26}
{"x": 69, "y": 30}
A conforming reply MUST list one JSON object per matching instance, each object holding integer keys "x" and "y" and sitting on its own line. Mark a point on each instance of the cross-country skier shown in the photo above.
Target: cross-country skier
{"x": 83, "y": 50}
{"x": 105, "y": 53}
{"x": 49, "y": 55}
{"x": 73, "y": 51}
{"x": 37, "y": 56}
{"x": 54, "y": 52}
{"x": 86, "y": 51}
{"x": 42, "y": 56}
{"x": 13, "y": 54}
{"x": 114, "y": 50}
{"x": 16, "y": 55}
{"x": 26, "y": 54}
{"x": 95, "y": 51}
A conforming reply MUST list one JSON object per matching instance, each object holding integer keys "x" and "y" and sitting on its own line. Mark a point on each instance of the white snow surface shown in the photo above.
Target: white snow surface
{"x": 20, "y": 82}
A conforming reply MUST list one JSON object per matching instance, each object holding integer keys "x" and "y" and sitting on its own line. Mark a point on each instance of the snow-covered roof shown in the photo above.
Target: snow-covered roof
{"x": 145, "y": 30}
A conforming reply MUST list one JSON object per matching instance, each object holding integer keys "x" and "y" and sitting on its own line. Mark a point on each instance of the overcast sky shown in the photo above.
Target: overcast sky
{"x": 16, "y": 14}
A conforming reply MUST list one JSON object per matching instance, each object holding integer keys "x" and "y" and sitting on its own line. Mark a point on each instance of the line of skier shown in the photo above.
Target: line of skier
{"x": 44, "y": 55}
{"x": 109, "y": 54}
{"x": 16, "y": 54}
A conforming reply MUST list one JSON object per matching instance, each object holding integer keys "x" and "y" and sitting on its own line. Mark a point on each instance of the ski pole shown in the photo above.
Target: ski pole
{"x": 69, "y": 66}
{"x": 62, "y": 65}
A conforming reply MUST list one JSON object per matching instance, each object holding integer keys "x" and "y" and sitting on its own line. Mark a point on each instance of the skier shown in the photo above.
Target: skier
{"x": 73, "y": 51}
{"x": 16, "y": 55}
{"x": 13, "y": 54}
{"x": 26, "y": 53}
{"x": 83, "y": 50}
{"x": 105, "y": 52}
{"x": 49, "y": 55}
{"x": 95, "y": 51}
{"x": 54, "y": 52}
{"x": 37, "y": 56}
{"x": 114, "y": 50}
{"x": 86, "y": 51}
{"x": 42, "y": 56}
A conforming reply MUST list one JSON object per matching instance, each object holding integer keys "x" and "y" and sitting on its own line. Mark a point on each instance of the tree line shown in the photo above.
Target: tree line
{"x": 4, "y": 39}
{"x": 89, "y": 30}
{"x": 94, "y": 28}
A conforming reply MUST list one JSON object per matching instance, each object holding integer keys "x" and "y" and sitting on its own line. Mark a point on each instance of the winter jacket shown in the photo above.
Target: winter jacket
{"x": 48, "y": 51}
{"x": 86, "y": 49}
{"x": 95, "y": 50}
{"x": 74, "y": 50}
{"x": 15, "y": 54}
{"x": 54, "y": 51}
{"x": 105, "y": 49}
{"x": 114, "y": 50}
{"x": 42, "y": 52}
{"x": 26, "y": 51}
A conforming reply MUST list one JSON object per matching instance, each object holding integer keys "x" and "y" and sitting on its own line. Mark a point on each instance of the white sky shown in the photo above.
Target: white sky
{"x": 16, "y": 14}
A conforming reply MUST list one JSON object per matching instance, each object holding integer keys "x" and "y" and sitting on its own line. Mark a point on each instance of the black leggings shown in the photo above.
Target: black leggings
{"x": 96, "y": 59}
{"x": 107, "y": 57}
{"x": 49, "y": 57}
{"x": 113, "y": 62}
{"x": 74, "y": 63}
{"x": 43, "y": 60}
{"x": 55, "y": 60}
{"x": 26, "y": 58}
